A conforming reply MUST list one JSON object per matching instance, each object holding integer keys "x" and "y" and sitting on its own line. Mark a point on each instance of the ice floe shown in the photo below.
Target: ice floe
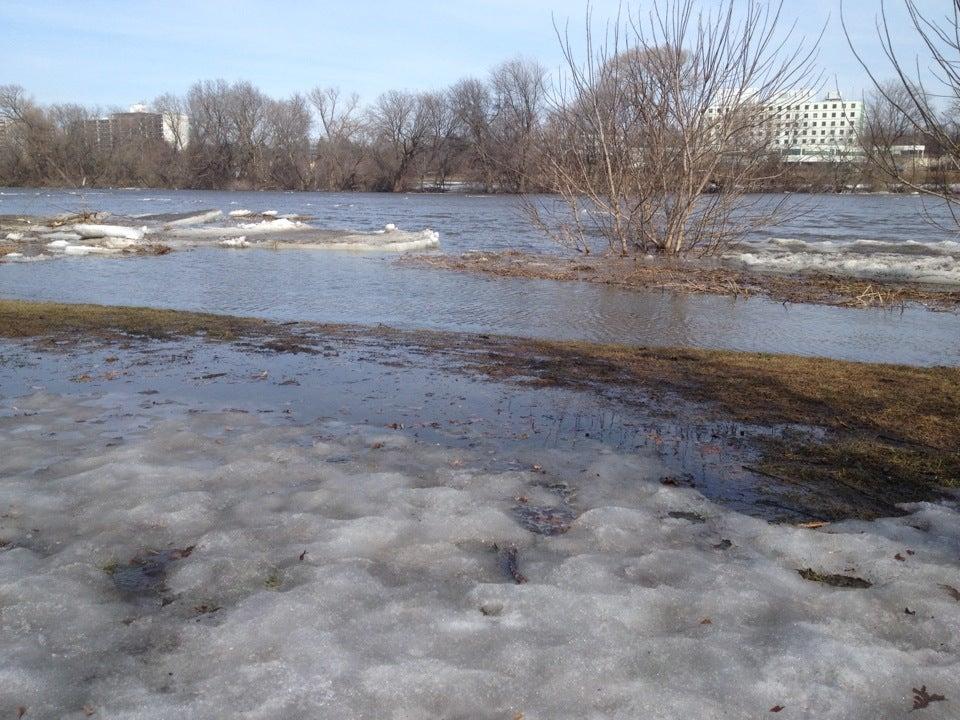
{"x": 88, "y": 231}
{"x": 209, "y": 565}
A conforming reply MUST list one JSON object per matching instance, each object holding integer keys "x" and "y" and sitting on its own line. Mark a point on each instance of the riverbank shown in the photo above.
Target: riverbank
{"x": 862, "y": 438}
{"x": 641, "y": 274}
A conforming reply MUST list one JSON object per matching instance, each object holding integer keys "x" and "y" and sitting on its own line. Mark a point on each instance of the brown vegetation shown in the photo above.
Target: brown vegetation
{"x": 641, "y": 274}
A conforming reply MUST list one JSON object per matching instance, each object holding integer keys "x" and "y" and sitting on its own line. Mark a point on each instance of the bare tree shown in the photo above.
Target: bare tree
{"x": 288, "y": 141}
{"x": 400, "y": 124}
{"x": 919, "y": 105}
{"x": 656, "y": 138}
{"x": 473, "y": 110}
{"x": 519, "y": 92}
{"x": 339, "y": 154}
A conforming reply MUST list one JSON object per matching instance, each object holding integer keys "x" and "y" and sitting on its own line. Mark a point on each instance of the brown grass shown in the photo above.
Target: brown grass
{"x": 639, "y": 274}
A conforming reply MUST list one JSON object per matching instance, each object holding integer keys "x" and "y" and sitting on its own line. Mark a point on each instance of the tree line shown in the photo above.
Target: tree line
{"x": 480, "y": 130}
{"x": 659, "y": 134}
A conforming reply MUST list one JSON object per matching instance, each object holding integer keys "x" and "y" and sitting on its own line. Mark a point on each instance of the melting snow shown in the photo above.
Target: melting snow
{"x": 209, "y": 565}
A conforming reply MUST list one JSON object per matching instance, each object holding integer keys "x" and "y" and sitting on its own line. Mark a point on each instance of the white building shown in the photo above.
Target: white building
{"x": 807, "y": 129}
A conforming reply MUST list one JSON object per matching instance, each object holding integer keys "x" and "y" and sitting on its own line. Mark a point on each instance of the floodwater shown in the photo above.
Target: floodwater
{"x": 368, "y": 289}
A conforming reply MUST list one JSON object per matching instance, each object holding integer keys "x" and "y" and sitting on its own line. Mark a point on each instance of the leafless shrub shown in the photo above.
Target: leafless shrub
{"x": 658, "y": 134}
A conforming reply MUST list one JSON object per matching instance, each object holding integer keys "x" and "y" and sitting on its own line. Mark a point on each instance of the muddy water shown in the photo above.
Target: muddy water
{"x": 370, "y": 289}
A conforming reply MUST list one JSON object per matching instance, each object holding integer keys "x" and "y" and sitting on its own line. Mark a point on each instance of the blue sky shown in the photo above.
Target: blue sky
{"x": 113, "y": 53}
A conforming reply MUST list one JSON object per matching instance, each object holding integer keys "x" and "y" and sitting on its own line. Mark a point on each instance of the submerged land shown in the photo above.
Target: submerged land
{"x": 855, "y": 439}
{"x": 636, "y": 273}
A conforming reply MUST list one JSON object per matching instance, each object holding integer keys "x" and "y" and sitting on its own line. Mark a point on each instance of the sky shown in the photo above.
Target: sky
{"x": 113, "y": 53}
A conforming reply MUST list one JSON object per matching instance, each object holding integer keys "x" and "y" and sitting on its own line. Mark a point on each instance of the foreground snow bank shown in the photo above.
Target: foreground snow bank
{"x": 334, "y": 571}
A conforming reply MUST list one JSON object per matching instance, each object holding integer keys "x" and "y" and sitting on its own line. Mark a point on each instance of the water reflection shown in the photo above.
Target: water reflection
{"x": 340, "y": 287}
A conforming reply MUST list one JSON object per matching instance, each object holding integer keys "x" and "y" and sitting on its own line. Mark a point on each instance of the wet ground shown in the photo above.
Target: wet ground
{"x": 497, "y": 425}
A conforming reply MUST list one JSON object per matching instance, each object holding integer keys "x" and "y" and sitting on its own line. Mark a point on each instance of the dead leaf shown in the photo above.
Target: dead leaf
{"x": 777, "y": 708}
{"x": 954, "y": 593}
{"x": 21, "y": 711}
{"x": 922, "y": 699}
{"x": 706, "y": 621}
{"x": 841, "y": 581}
{"x": 303, "y": 555}
{"x": 88, "y": 710}
{"x": 376, "y": 446}
{"x": 908, "y": 611}
{"x": 899, "y": 557}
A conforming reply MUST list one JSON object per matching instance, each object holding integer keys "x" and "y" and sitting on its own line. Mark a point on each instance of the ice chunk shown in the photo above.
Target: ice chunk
{"x": 240, "y": 213}
{"x": 14, "y": 255}
{"x": 15, "y": 236}
{"x": 197, "y": 219}
{"x": 62, "y": 236}
{"x": 87, "y": 231}
{"x": 271, "y": 225}
{"x": 237, "y": 242}
{"x": 389, "y": 227}
{"x": 269, "y": 213}
{"x": 59, "y": 243}
{"x": 87, "y": 250}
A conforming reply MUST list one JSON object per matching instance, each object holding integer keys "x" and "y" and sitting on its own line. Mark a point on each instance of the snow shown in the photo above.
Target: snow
{"x": 14, "y": 236}
{"x": 116, "y": 231}
{"x": 399, "y": 607}
{"x": 240, "y": 213}
{"x": 883, "y": 266}
{"x": 280, "y": 224}
{"x": 238, "y": 242}
{"x": 14, "y": 255}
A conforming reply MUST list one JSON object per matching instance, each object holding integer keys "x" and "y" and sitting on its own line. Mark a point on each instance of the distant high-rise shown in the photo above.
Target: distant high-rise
{"x": 138, "y": 124}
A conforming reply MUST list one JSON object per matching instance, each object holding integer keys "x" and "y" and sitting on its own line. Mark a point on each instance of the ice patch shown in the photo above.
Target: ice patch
{"x": 87, "y": 231}
{"x": 14, "y": 236}
{"x": 238, "y": 242}
{"x": 279, "y": 224}
{"x": 87, "y": 250}
{"x": 240, "y": 213}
